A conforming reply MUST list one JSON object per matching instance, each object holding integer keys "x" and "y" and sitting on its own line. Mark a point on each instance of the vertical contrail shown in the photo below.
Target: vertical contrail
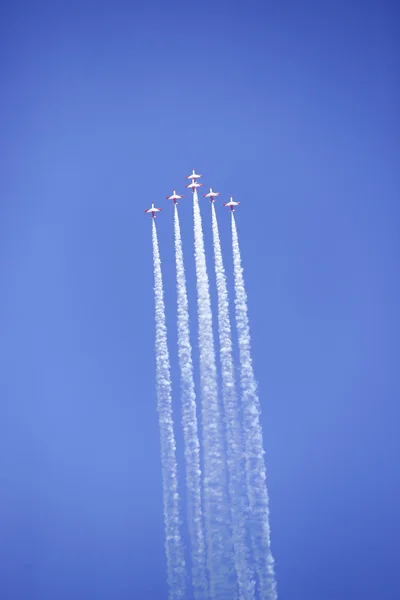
{"x": 255, "y": 465}
{"x": 216, "y": 508}
{"x": 190, "y": 430}
{"x": 234, "y": 451}
{"x": 173, "y": 542}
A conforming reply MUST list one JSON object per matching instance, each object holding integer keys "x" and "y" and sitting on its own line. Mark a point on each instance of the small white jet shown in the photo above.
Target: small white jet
{"x": 194, "y": 185}
{"x": 152, "y": 211}
{"x": 193, "y": 176}
{"x": 212, "y": 195}
{"x": 231, "y": 204}
{"x": 174, "y": 197}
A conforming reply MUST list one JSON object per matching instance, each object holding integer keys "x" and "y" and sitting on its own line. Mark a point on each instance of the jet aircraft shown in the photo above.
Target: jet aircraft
{"x": 231, "y": 204}
{"x": 194, "y": 175}
{"x": 152, "y": 211}
{"x": 174, "y": 197}
{"x": 211, "y": 195}
{"x": 194, "y": 185}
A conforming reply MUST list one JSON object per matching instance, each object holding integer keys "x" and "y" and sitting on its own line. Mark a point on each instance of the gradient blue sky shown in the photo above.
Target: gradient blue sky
{"x": 293, "y": 108}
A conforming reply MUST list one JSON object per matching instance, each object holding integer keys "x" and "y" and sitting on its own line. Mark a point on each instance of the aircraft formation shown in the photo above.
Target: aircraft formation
{"x": 227, "y": 502}
{"x": 193, "y": 186}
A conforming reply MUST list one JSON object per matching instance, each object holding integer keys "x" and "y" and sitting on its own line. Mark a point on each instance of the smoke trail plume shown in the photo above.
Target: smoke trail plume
{"x": 173, "y": 542}
{"x": 255, "y": 465}
{"x": 237, "y": 479}
{"x": 190, "y": 430}
{"x": 216, "y": 508}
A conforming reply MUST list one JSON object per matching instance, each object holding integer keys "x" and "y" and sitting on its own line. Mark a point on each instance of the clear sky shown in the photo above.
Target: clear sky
{"x": 292, "y": 107}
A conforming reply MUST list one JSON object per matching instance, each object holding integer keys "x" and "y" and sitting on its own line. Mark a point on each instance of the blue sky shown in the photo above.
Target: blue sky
{"x": 104, "y": 108}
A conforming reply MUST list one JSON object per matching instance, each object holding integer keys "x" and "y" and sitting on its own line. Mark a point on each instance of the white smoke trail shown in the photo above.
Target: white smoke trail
{"x": 190, "y": 430}
{"x": 173, "y": 542}
{"x": 237, "y": 478}
{"x": 255, "y": 465}
{"x": 216, "y": 507}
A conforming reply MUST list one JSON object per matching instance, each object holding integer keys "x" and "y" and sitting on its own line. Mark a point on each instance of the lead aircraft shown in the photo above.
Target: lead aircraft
{"x": 194, "y": 175}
